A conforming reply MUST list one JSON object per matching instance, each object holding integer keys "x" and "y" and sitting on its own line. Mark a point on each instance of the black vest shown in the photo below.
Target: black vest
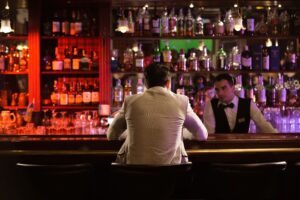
{"x": 242, "y": 117}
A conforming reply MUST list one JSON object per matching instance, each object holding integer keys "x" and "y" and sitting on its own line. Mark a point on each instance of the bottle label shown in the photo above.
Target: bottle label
{"x": 57, "y": 97}
{"x": 95, "y": 97}
{"x": 167, "y": 56}
{"x": 156, "y": 26}
{"x": 65, "y": 28}
{"x": 78, "y": 99}
{"x": 219, "y": 29}
{"x": 165, "y": 25}
{"x": 247, "y": 62}
{"x": 266, "y": 62}
{"x": 189, "y": 25}
{"x": 78, "y": 27}
{"x": 57, "y": 65}
{"x": 139, "y": 63}
{"x": 172, "y": 24}
{"x": 71, "y": 99}
{"x": 250, "y": 25}
{"x": 63, "y": 99}
{"x": 55, "y": 26}
{"x": 72, "y": 28}
{"x": 282, "y": 95}
{"x": 199, "y": 28}
{"x": 67, "y": 63}
{"x": 261, "y": 96}
{"x": 146, "y": 24}
{"x": 75, "y": 63}
{"x": 53, "y": 98}
{"x": 118, "y": 95}
{"x": 130, "y": 27}
{"x": 87, "y": 97}
{"x": 221, "y": 62}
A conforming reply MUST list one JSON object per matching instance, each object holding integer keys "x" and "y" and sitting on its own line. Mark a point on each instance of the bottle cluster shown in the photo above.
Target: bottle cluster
{"x": 13, "y": 59}
{"x": 268, "y": 57}
{"x": 120, "y": 92}
{"x": 67, "y": 92}
{"x": 171, "y": 22}
{"x": 71, "y": 59}
{"x": 70, "y": 23}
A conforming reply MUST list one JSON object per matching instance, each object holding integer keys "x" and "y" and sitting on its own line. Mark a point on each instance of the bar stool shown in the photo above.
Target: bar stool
{"x": 246, "y": 181}
{"x": 292, "y": 181}
{"x": 59, "y": 181}
{"x": 146, "y": 181}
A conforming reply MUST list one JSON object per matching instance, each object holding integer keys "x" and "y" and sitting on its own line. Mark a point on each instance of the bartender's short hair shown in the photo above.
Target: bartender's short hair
{"x": 156, "y": 74}
{"x": 225, "y": 76}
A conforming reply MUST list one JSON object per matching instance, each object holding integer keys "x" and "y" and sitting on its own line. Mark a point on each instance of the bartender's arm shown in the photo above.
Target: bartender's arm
{"x": 260, "y": 121}
{"x": 209, "y": 118}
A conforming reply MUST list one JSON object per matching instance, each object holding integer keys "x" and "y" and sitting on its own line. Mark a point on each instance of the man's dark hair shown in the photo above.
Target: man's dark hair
{"x": 225, "y": 76}
{"x": 156, "y": 75}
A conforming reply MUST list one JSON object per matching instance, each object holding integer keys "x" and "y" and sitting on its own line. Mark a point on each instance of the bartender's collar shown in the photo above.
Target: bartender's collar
{"x": 234, "y": 101}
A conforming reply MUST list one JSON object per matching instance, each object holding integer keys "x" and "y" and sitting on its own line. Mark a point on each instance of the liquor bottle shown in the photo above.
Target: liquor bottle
{"x": 16, "y": 60}
{"x": 266, "y": 55}
{"x": 180, "y": 23}
{"x": 46, "y": 94}
{"x": 199, "y": 25}
{"x": 118, "y": 94}
{"x": 246, "y": 59}
{"x": 139, "y": 59}
{"x": 130, "y": 23}
{"x": 67, "y": 60}
{"x": 86, "y": 93}
{"x": 94, "y": 61}
{"x": 73, "y": 24}
{"x": 165, "y": 23}
{"x": 182, "y": 61}
{"x": 261, "y": 27}
{"x": 65, "y": 24}
{"x": 128, "y": 88}
{"x": 249, "y": 91}
{"x": 235, "y": 59}
{"x": 84, "y": 62}
{"x": 285, "y": 23}
{"x": 139, "y": 23}
{"x": 189, "y": 24}
{"x": 78, "y": 97}
{"x": 219, "y": 28}
{"x": 64, "y": 94}
{"x": 208, "y": 28}
{"x": 271, "y": 92}
{"x": 290, "y": 57}
{"x": 47, "y": 61}
{"x": 167, "y": 55}
{"x": 55, "y": 25}
{"x": 23, "y": 60}
{"x": 221, "y": 59}
{"x": 205, "y": 60}
{"x": 193, "y": 62}
{"x": 239, "y": 89}
{"x": 156, "y": 21}
{"x": 94, "y": 27}
{"x": 229, "y": 23}
{"x": 57, "y": 63}
{"x": 140, "y": 86}
{"x": 156, "y": 55}
{"x": 86, "y": 24}
{"x": 275, "y": 57}
{"x": 47, "y": 26}
{"x": 261, "y": 97}
{"x": 78, "y": 24}
{"x": 180, "y": 85}
{"x": 2, "y": 58}
{"x": 273, "y": 18}
{"x": 128, "y": 59}
{"x": 173, "y": 23}
{"x": 293, "y": 88}
{"x": 72, "y": 93}
{"x": 250, "y": 22}
{"x": 55, "y": 96}
{"x": 95, "y": 93}
{"x": 146, "y": 22}
{"x": 280, "y": 91}
{"x": 75, "y": 59}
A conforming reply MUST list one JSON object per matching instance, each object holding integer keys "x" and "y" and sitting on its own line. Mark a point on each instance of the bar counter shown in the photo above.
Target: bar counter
{"x": 218, "y": 147}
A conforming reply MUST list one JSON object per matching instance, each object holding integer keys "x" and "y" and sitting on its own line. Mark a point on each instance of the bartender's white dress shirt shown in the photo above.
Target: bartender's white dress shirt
{"x": 154, "y": 121}
{"x": 255, "y": 114}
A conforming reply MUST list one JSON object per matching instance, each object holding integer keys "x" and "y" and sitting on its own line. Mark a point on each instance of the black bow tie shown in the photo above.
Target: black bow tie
{"x": 230, "y": 105}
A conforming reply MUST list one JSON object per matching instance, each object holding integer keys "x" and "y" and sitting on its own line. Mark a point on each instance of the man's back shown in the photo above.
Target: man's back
{"x": 154, "y": 121}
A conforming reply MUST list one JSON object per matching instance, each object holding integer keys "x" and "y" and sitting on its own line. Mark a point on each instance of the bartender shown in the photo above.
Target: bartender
{"x": 229, "y": 113}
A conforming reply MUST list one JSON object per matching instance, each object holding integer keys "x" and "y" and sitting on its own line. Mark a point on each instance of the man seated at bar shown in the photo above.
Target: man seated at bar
{"x": 154, "y": 121}
{"x": 231, "y": 114}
